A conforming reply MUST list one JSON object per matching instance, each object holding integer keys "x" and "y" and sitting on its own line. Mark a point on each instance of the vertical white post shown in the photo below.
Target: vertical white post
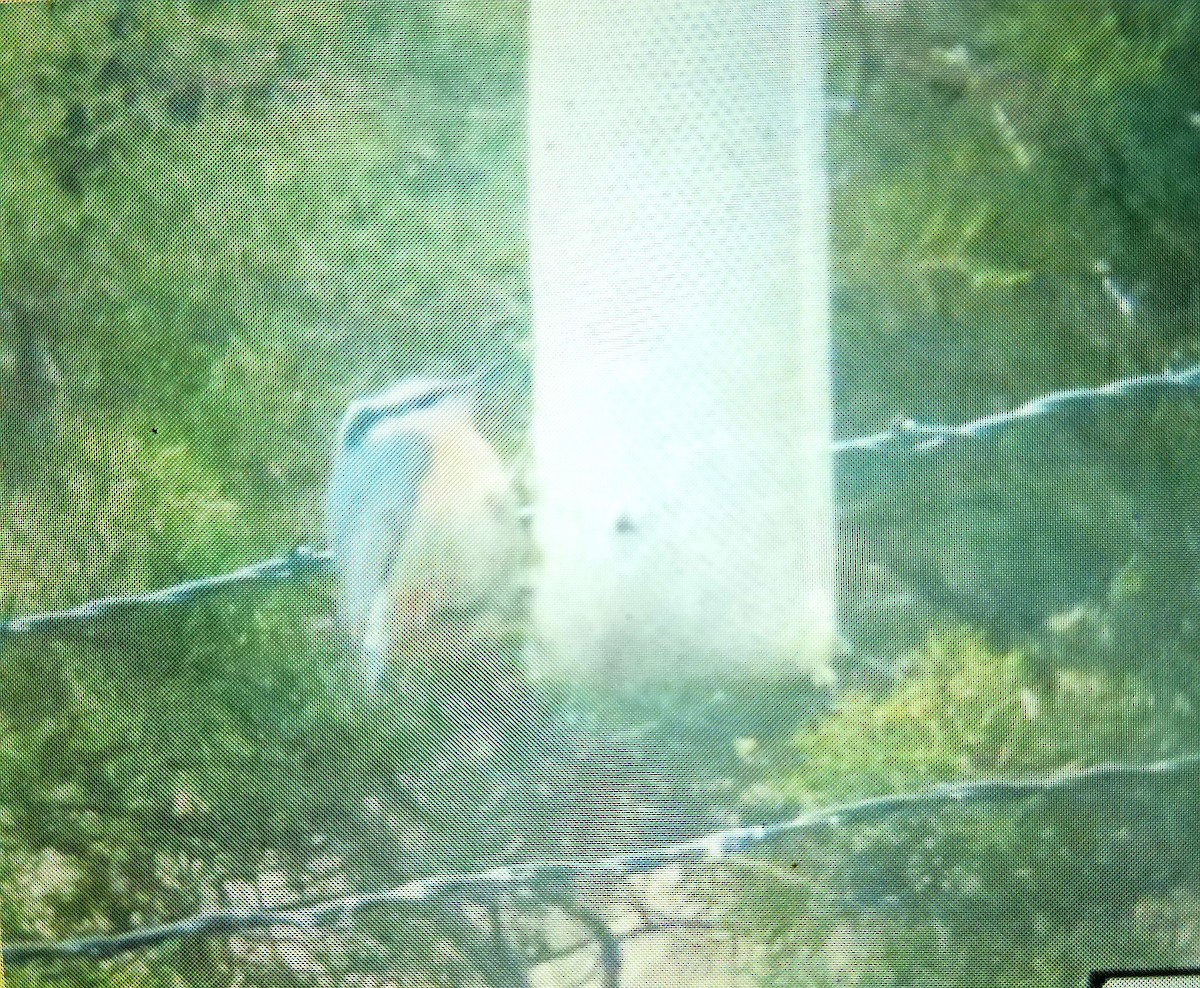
{"x": 682, "y": 479}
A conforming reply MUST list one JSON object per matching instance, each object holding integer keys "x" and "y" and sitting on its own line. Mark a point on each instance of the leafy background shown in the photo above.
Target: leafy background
{"x": 223, "y": 220}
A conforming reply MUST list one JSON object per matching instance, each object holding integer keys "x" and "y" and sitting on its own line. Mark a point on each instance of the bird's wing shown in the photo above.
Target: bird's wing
{"x": 372, "y": 498}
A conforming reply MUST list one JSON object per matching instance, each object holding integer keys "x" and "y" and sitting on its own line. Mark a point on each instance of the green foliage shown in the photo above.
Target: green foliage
{"x": 1012, "y": 212}
{"x": 222, "y": 220}
{"x": 1035, "y": 894}
{"x": 964, "y": 710}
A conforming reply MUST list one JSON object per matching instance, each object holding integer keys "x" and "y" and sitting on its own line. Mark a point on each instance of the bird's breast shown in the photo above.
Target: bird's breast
{"x": 464, "y": 530}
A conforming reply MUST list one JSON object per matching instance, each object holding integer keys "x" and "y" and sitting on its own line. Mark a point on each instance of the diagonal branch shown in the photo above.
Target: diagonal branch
{"x": 549, "y": 877}
{"x": 905, "y": 437}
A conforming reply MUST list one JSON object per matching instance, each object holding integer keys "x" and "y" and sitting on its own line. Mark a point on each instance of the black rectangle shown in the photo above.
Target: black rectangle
{"x": 1153, "y": 978}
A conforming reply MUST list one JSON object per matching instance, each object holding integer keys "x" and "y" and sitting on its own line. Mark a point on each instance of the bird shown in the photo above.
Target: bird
{"x": 426, "y": 524}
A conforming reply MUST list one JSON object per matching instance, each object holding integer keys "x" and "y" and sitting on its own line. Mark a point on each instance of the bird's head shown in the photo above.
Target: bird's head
{"x": 414, "y": 396}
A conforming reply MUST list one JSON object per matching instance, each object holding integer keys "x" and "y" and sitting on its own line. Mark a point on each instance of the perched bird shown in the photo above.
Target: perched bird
{"x": 426, "y": 526}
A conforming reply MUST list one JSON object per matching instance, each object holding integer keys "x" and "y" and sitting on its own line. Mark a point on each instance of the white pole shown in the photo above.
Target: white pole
{"x": 682, "y": 479}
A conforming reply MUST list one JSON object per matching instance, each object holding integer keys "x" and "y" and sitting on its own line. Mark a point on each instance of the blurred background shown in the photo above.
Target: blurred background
{"x": 222, "y": 221}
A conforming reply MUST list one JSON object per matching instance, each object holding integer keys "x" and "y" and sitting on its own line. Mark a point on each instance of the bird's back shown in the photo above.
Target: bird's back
{"x": 371, "y": 503}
